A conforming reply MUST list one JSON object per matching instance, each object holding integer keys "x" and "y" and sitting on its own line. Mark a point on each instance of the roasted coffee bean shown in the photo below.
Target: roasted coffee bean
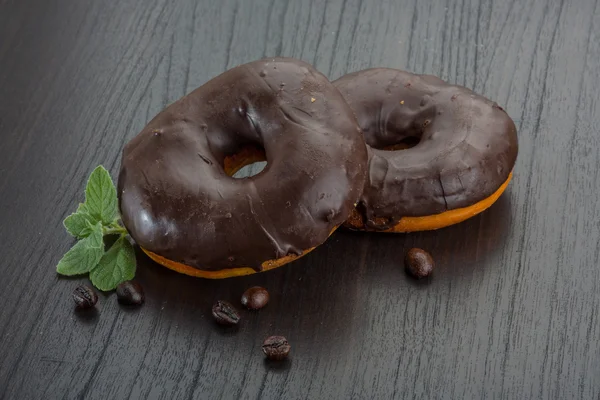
{"x": 255, "y": 298}
{"x": 130, "y": 293}
{"x": 225, "y": 313}
{"x": 84, "y": 297}
{"x": 276, "y": 348}
{"x": 418, "y": 263}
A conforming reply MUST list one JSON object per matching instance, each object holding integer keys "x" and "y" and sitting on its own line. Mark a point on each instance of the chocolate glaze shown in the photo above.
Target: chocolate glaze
{"x": 177, "y": 201}
{"x": 467, "y": 144}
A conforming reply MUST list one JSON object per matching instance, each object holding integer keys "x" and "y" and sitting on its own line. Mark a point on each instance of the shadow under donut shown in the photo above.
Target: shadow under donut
{"x": 317, "y": 301}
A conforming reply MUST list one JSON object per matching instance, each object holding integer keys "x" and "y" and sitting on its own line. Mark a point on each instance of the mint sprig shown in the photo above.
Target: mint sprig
{"x": 96, "y": 217}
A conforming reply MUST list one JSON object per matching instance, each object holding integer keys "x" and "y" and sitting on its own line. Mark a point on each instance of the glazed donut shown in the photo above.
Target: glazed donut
{"x": 178, "y": 198}
{"x": 438, "y": 153}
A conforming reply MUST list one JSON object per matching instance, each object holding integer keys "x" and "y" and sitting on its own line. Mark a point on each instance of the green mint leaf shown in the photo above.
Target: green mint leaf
{"x": 81, "y": 208}
{"x": 85, "y": 255}
{"x": 79, "y": 224}
{"x": 117, "y": 265}
{"x": 101, "y": 196}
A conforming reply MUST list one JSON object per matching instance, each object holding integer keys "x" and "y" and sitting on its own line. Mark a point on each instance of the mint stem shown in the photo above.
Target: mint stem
{"x": 114, "y": 230}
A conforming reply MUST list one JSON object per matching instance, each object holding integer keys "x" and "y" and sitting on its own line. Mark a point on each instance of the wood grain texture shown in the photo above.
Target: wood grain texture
{"x": 513, "y": 309}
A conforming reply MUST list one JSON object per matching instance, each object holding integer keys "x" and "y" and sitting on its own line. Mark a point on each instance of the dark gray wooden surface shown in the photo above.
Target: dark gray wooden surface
{"x": 513, "y": 309}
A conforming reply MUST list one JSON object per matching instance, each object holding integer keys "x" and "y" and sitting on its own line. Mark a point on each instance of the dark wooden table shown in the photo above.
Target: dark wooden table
{"x": 512, "y": 312}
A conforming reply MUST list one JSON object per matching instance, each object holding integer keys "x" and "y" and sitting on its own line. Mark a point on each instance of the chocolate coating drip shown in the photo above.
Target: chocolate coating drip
{"x": 467, "y": 144}
{"x": 177, "y": 201}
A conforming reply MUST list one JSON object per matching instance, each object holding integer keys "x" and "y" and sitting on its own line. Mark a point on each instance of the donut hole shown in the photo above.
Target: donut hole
{"x": 250, "y": 170}
{"x": 249, "y": 161}
{"x": 406, "y": 143}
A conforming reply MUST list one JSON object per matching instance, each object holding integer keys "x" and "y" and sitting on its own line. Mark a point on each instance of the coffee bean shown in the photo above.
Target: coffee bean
{"x": 130, "y": 293}
{"x": 255, "y": 298}
{"x": 418, "y": 263}
{"x": 225, "y": 313}
{"x": 276, "y": 348}
{"x": 84, "y": 297}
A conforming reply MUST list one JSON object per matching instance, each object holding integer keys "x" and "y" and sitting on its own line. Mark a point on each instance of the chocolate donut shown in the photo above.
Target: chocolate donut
{"x": 438, "y": 153}
{"x": 178, "y": 198}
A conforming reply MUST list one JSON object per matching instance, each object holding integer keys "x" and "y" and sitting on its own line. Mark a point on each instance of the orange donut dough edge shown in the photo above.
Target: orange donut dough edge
{"x": 432, "y": 222}
{"x": 224, "y": 273}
